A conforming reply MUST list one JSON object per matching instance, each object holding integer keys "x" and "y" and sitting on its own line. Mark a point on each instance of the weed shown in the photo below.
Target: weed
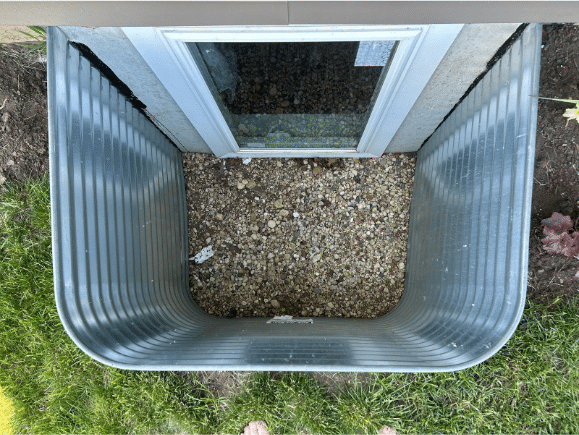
{"x": 37, "y": 34}
{"x": 560, "y": 237}
{"x": 570, "y": 114}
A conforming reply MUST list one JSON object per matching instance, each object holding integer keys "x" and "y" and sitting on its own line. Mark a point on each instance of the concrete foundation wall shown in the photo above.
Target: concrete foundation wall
{"x": 466, "y": 59}
{"x": 464, "y": 62}
{"x": 112, "y": 47}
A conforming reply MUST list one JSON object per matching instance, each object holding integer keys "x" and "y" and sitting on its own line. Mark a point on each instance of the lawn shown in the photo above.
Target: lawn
{"x": 531, "y": 385}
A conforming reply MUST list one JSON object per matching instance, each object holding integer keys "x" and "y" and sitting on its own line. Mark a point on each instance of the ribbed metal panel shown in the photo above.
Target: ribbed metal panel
{"x": 120, "y": 238}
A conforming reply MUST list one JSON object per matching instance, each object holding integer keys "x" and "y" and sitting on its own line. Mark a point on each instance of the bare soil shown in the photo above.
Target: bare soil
{"x": 23, "y": 115}
{"x": 556, "y": 185}
{"x": 24, "y": 145}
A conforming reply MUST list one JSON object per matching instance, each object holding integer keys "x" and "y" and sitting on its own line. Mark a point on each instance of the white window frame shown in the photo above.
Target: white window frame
{"x": 420, "y": 50}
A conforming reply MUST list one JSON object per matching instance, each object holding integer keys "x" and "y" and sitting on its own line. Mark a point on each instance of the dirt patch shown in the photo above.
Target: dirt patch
{"x": 23, "y": 115}
{"x": 556, "y": 184}
{"x": 218, "y": 384}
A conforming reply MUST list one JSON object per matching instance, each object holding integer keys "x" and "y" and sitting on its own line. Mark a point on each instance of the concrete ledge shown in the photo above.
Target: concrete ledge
{"x": 207, "y": 12}
{"x": 13, "y": 34}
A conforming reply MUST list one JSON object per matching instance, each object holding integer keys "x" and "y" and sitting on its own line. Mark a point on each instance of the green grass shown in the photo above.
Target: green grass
{"x": 530, "y": 386}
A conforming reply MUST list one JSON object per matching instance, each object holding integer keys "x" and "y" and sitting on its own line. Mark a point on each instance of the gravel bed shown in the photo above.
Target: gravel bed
{"x": 299, "y": 237}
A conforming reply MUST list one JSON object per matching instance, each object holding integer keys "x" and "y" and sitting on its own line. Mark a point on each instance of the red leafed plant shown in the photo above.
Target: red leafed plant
{"x": 560, "y": 238}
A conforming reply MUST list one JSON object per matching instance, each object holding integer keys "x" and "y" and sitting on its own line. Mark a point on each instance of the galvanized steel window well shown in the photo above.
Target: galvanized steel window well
{"x": 120, "y": 238}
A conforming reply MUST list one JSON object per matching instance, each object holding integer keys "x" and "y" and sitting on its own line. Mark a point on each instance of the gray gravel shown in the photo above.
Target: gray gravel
{"x": 300, "y": 237}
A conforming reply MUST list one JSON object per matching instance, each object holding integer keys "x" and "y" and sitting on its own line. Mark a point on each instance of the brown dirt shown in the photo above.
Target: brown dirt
{"x": 24, "y": 144}
{"x": 23, "y": 117}
{"x": 556, "y": 185}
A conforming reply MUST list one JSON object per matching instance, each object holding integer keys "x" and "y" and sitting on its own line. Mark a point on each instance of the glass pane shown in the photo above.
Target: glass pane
{"x": 295, "y": 94}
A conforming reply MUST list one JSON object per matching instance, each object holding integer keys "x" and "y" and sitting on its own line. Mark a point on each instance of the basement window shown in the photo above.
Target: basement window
{"x": 295, "y": 91}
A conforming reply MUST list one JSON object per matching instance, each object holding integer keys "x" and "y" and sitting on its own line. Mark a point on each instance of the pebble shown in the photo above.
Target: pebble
{"x": 240, "y": 186}
{"x": 275, "y": 303}
{"x": 271, "y": 224}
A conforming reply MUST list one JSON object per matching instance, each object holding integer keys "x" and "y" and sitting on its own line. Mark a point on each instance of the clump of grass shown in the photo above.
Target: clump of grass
{"x": 292, "y": 403}
{"x": 530, "y": 386}
{"x": 37, "y": 34}
{"x": 55, "y": 387}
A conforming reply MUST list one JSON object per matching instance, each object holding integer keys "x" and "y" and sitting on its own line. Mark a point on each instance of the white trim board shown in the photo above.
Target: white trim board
{"x": 420, "y": 50}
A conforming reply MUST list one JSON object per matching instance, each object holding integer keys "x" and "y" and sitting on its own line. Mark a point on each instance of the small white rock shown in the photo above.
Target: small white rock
{"x": 275, "y": 303}
{"x": 296, "y": 214}
{"x": 203, "y": 255}
{"x": 271, "y": 224}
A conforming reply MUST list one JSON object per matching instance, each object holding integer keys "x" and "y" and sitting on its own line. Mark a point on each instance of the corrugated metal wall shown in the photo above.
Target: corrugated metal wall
{"x": 470, "y": 214}
{"x": 120, "y": 238}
